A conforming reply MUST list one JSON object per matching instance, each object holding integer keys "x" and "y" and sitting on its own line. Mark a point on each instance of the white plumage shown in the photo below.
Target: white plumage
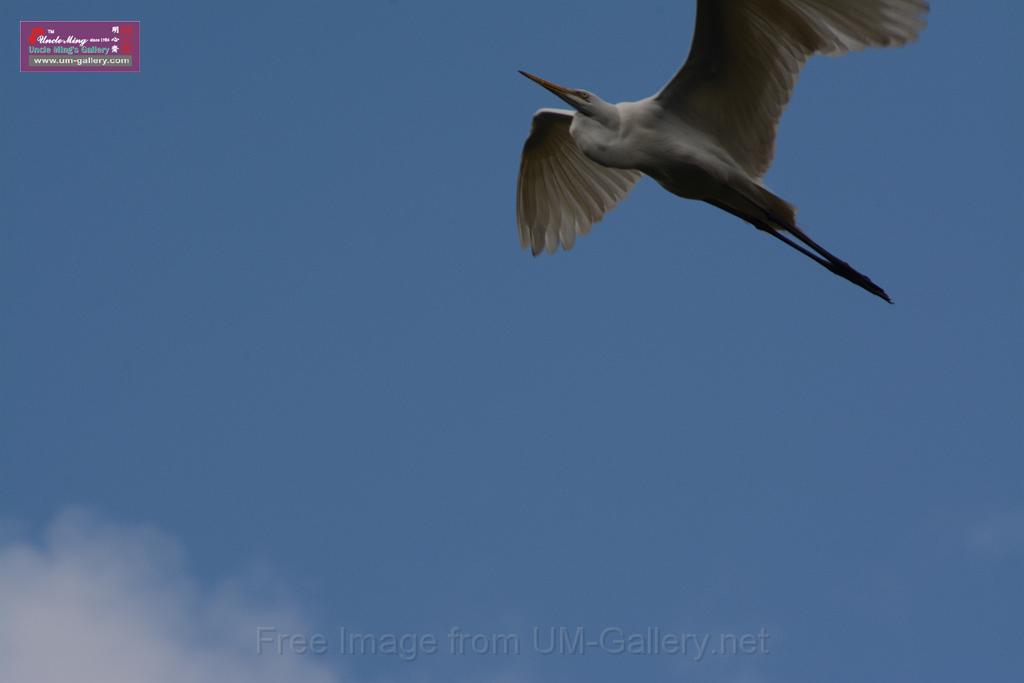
{"x": 710, "y": 133}
{"x": 562, "y": 190}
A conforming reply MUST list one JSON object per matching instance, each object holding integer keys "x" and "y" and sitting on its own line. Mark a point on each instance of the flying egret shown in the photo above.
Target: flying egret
{"x": 710, "y": 133}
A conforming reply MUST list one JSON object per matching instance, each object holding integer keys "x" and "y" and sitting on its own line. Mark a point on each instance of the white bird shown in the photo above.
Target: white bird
{"x": 710, "y": 133}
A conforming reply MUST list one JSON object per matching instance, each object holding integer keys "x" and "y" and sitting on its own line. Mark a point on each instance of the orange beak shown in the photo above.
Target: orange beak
{"x": 553, "y": 87}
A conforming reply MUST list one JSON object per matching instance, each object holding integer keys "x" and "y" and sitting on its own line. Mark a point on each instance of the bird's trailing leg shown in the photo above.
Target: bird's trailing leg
{"x": 812, "y": 250}
{"x": 831, "y": 261}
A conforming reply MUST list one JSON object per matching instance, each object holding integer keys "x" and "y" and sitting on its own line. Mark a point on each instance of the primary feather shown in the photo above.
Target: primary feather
{"x": 561, "y": 193}
{"x": 747, "y": 55}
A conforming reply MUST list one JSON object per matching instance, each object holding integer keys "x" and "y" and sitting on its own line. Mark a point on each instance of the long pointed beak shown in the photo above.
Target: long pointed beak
{"x": 553, "y": 87}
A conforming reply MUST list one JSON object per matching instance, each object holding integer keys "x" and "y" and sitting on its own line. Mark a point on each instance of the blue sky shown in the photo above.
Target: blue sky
{"x": 263, "y": 304}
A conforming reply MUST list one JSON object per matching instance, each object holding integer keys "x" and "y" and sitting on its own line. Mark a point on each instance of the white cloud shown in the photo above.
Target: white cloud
{"x": 99, "y": 603}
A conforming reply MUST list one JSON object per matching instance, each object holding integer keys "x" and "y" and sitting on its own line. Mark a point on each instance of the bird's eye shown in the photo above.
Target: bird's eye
{"x": 583, "y": 96}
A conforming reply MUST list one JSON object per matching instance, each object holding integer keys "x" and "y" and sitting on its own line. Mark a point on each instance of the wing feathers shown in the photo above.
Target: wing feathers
{"x": 747, "y": 55}
{"x": 561, "y": 193}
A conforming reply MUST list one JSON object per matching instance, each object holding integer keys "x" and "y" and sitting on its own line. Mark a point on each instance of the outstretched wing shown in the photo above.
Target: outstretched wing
{"x": 561, "y": 192}
{"x": 747, "y": 55}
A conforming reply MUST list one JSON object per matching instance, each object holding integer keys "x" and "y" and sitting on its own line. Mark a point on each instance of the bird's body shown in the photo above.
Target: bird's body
{"x": 644, "y": 137}
{"x": 648, "y": 138}
{"x": 709, "y": 135}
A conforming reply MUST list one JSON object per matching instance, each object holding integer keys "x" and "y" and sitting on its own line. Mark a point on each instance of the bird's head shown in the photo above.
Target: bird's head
{"x": 586, "y": 103}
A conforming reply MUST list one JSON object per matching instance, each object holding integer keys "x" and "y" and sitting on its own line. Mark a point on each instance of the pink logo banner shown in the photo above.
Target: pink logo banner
{"x": 80, "y": 46}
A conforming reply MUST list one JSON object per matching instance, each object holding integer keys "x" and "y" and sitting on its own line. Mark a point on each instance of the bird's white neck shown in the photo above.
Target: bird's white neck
{"x": 598, "y": 135}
